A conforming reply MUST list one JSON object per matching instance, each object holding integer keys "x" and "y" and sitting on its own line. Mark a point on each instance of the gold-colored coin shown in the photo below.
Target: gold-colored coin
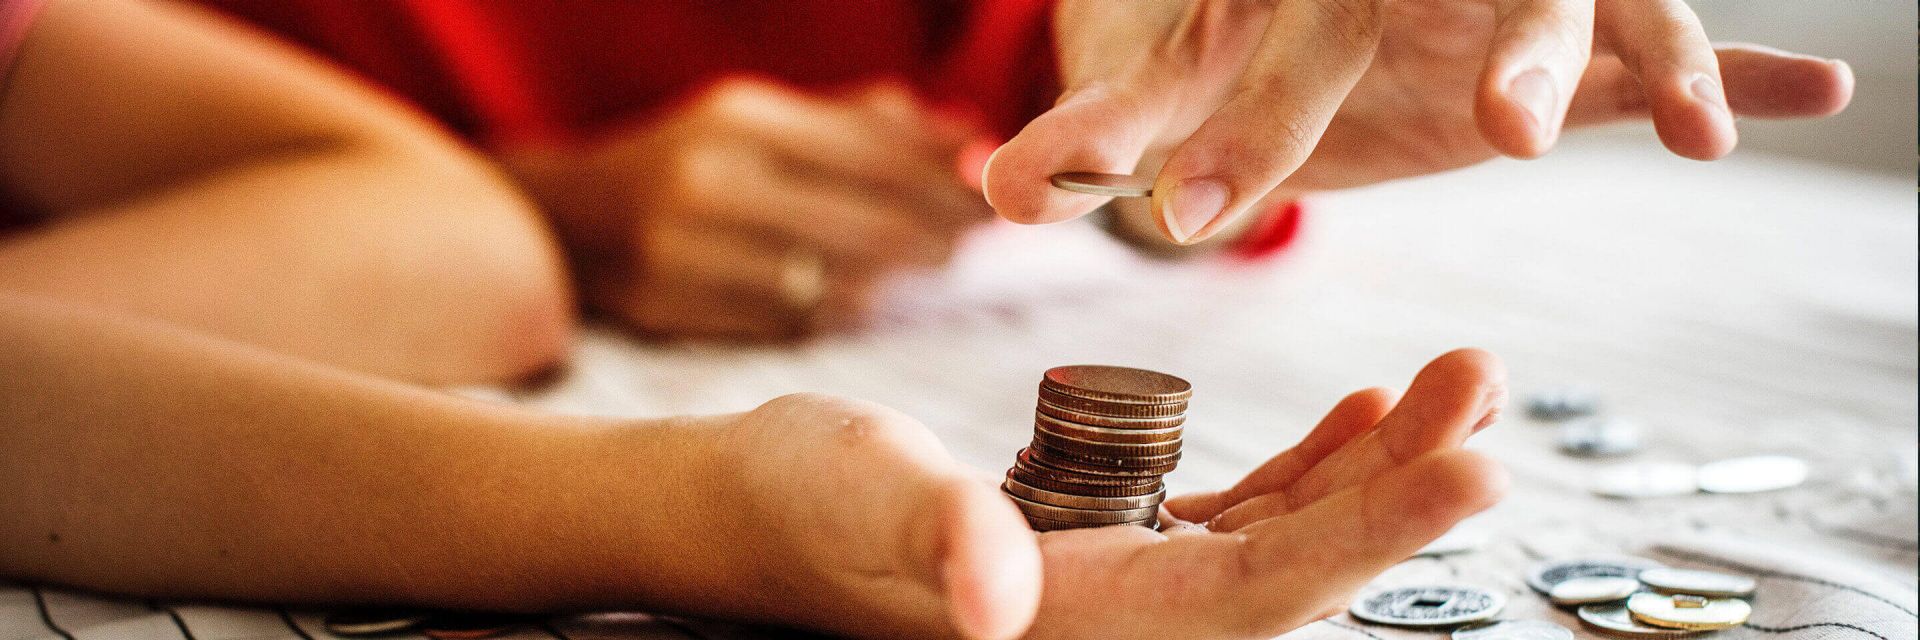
{"x": 1688, "y": 612}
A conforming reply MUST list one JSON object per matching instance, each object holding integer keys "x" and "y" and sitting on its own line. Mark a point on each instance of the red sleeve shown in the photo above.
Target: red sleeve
{"x": 1001, "y": 68}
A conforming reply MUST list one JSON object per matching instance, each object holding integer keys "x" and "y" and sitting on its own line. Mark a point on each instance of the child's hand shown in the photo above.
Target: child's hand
{"x": 850, "y": 517}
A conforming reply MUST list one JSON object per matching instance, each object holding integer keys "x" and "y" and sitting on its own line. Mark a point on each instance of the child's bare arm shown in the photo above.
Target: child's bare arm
{"x": 202, "y": 175}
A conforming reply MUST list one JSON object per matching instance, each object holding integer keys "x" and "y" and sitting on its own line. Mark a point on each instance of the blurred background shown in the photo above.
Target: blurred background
{"x": 1875, "y": 36}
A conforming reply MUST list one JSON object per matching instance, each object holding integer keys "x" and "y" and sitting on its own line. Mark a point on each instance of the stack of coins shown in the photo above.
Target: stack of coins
{"x": 1102, "y": 438}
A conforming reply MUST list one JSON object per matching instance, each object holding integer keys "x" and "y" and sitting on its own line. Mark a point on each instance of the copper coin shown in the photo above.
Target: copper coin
{"x": 1044, "y": 525}
{"x": 1117, "y": 384}
{"x": 1050, "y": 459}
{"x": 1019, "y": 489}
{"x": 1111, "y": 409}
{"x": 1094, "y": 447}
{"x": 1096, "y": 420}
{"x": 1027, "y": 464}
{"x": 1107, "y": 491}
{"x": 1068, "y": 514}
{"x": 1103, "y": 459}
{"x": 1045, "y": 422}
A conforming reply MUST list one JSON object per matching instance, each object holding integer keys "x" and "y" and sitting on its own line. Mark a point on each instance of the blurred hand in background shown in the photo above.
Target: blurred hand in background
{"x": 755, "y": 211}
{"x": 1245, "y": 100}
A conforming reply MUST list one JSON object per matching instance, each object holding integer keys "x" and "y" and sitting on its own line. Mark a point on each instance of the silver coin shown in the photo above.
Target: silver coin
{"x": 1600, "y": 437}
{"x": 1429, "y": 606}
{"x": 1513, "y": 630}
{"x": 1691, "y": 613}
{"x": 1542, "y": 576}
{"x": 373, "y": 622}
{"x": 1752, "y": 474}
{"x": 1561, "y": 403}
{"x": 1593, "y": 589}
{"x": 1614, "y": 619}
{"x": 1700, "y": 583}
{"x": 1457, "y": 540}
{"x": 1646, "y": 480}
{"x": 1105, "y": 184}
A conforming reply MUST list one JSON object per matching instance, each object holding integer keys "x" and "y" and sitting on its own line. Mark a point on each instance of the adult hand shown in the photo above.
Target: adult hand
{"x": 849, "y": 517}
{"x": 1243, "y": 100}
{"x": 754, "y": 211}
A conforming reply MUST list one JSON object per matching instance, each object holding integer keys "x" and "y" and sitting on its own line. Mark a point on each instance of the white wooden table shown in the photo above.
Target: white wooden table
{"x": 1749, "y": 306}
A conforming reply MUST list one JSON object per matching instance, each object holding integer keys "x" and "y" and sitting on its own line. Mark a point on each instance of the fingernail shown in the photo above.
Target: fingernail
{"x": 1195, "y": 202}
{"x": 1534, "y": 92}
{"x": 1705, "y": 89}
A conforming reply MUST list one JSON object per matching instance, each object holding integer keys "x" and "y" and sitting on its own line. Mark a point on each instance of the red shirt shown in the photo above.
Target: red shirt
{"x": 505, "y": 71}
{"x": 502, "y": 72}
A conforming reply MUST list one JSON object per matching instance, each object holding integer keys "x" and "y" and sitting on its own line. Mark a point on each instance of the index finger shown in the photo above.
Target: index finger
{"x": 1309, "y": 59}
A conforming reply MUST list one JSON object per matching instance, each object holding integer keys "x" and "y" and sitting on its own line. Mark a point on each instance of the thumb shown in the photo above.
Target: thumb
{"x": 1096, "y": 129}
{"x": 989, "y": 562}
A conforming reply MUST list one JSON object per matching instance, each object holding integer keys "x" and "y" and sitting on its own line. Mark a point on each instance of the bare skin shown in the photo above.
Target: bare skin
{"x": 1341, "y": 93}
{"x": 254, "y": 476}
{"x": 188, "y": 171}
{"x": 682, "y": 226}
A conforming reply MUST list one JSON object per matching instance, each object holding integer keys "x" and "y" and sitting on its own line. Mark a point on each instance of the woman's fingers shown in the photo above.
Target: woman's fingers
{"x": 1342, "y": 542}
{"x": 1301, "y": 72}
{"x": 1761, "y": 82}
{"x": 1351, "y": 417}
{"x": 1102, "y": 129}
{"x": 1452, "y": 397}
{"x": 1540, "y": 51}
{"x": 1662, "y": 44}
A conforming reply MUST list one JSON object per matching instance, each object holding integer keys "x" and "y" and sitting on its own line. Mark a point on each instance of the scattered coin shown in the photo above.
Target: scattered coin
{"x": 1688, "y": 612}
{"x": 1600, "y": 437}
{"x": 1752, "y": 474}
{"x": 1102, "y": 438}
{"x": 356, "y": 623}
{"x": 1562, "y": 403}
{"x": 1542, "y": 576}
{"x": 1456, "y": 540}
{"x": 1646, "y": 480}
{"x": 1614, "y": 619}
{"x": 1700, "y": 583}
{"x": 1513, "y": 630}
{"x": 1593, "y": 589}
{"x": 1429, "y": 606}
{"x": 1105, "y": 184}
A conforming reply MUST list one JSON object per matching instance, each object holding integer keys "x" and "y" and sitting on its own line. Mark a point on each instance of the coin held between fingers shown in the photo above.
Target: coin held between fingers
{"x": 1104, "y": 184}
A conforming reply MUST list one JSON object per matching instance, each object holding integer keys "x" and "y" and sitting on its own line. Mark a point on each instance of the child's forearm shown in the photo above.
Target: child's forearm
{"x": 147, "y": 460}
{"x": 204, "y": 176}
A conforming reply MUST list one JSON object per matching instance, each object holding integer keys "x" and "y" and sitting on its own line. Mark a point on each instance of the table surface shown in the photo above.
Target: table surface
{"x": 1755, "y": 305}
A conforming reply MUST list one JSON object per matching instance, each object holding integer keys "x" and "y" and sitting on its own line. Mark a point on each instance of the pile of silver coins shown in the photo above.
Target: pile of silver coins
{"x": 1640, "y": 598}
{"x": 1102, "y": 438}
{"x": 1619, "y": 596}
